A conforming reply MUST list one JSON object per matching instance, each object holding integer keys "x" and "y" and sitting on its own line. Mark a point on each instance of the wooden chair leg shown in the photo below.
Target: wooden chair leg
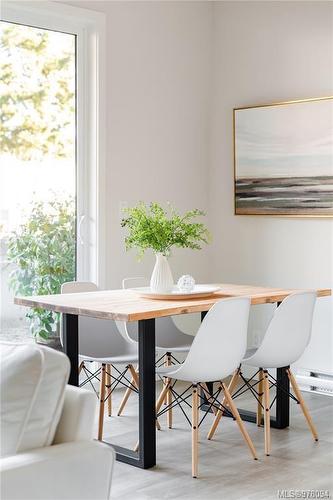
{"x": 232, "y": 386}
{"x": 101, "y": 403}
{"x": 135, "y": 381}
{"x": 165, "y": 380}
{"x": 129, "y": 390}
{"x": 161, "y": 399}
{"x": 208, "y": 396}
{"x": 239, "y": 421}
{"x": 169, "y": 394}
{"x": 162, "y": 396}
{"x": 108, "y": 382}
{"x": 302, "y": 404}
{"x": 135, "y": 375}
{"x": 125, "y": 398}
{"x": 195, "y": 430}
{"x": 267, "y": 417}
{"x": 260, "y": 391}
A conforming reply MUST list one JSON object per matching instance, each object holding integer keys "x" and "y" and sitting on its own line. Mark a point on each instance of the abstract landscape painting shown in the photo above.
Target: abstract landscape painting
{"x": 284, "y": 159}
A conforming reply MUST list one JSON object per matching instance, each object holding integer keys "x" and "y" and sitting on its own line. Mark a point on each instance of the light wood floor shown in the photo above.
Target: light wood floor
{"x": 226, "y": 470}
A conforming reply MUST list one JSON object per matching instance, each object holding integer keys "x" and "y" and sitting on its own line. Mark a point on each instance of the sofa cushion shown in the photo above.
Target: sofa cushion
{"x": 32, "y": 383}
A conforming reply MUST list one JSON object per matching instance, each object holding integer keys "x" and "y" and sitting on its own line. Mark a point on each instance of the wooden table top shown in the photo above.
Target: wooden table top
{"x": 126, "y": 305}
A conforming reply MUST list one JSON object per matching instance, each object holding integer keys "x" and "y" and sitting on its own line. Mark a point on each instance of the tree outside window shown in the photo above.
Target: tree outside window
{"x": 37, "y": 157}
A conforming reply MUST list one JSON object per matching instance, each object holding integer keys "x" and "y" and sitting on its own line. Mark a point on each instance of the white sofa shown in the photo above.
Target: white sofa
{"x": 47, "y": 450}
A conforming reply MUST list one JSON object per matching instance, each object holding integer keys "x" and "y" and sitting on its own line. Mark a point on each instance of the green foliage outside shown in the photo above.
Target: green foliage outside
{"x": 37, "y": 123}
{"x": 159, "y": 229}
{"x": 43, "y": 250}
{"x": 37, "y": 93}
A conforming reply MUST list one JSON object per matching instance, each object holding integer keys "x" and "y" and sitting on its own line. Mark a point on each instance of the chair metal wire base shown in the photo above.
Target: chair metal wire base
{"x": 281, "y": 399}
{"x": 182, "y": 398}
{"x": 115, "y": 380}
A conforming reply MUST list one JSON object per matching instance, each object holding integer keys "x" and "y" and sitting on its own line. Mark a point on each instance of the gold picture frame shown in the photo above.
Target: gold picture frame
{"x": 284, "y": 192}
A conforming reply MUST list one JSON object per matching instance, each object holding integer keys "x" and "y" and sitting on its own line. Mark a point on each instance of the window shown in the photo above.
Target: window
{"x": 57, "y": 53}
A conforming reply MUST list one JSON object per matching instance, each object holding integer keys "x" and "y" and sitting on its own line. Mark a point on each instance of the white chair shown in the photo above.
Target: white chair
{"x": 101, "y": 341}
{"x": 47, "y": 447}
{"x": 170, "y": 340}
{"x": 286, "y": 338}
{"x": 216, "y": 351}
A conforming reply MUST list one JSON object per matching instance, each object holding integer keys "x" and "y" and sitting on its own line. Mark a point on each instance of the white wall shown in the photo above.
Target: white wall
{"x": 158, "y": 91}
{"x": 270, "y": 52}
{"x": 158, "y": 116}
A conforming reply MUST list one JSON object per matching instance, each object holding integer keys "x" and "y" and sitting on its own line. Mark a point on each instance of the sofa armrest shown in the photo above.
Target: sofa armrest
{"x": 69, "y": 471}
{"x": 77, "y": 418}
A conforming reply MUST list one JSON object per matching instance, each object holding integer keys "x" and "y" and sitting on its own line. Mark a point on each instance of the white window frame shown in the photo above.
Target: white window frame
{"x": 89, "y": 26}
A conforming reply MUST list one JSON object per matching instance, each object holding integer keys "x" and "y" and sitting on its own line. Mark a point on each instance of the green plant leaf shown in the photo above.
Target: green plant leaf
{"x": 42, "y": 251}
{"x": 161, "y": 229}
{"x": 43, "y": 333}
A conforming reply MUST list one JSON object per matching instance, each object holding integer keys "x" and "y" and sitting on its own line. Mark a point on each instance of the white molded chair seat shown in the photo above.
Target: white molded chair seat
{"x": 249, "y": 353}
{"x": 169, "y": 371}
{"x": 287, "y": 336}
{"x": 113, "y": 360}
{"x": 103, "y": 342}
{"x": 169, "y": 338}
{"x": 99, "y": 339}
{"x": 212, "y": 357}
{"x": 288, "y": 333}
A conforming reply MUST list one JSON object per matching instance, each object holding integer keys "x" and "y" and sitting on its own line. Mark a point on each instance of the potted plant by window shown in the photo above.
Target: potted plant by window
{"x": 153, "y": 227}
{"x": 42, "y": 252}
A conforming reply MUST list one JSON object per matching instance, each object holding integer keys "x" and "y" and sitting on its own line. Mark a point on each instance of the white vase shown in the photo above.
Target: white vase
{"x": 161, "y": 280}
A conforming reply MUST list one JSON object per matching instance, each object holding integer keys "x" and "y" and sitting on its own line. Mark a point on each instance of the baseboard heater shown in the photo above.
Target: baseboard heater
{"x": 310, "y": 381}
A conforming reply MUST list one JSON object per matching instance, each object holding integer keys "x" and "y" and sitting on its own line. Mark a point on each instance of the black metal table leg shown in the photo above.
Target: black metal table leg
{"x": 146, "y": 457}
{"x": 282, "y": 399}
{"x": 282, "y": 413}
{"x": 210, "y": 385}
{"x": 147, "y": 394}
{"x": 70, "y": 332}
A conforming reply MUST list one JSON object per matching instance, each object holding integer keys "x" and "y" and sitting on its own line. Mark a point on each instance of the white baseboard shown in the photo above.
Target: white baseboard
{"x": 320, "y": 383}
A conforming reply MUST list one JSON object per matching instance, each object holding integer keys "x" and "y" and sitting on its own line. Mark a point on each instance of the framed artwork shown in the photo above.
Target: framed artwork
{"x": 283, "y": 159}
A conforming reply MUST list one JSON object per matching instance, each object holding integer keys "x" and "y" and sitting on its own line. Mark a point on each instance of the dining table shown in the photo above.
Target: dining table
{"x": 127, "y": 305}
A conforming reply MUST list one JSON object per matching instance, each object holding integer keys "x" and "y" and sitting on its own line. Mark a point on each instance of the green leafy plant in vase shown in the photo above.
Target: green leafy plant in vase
{"x": 159, "y": 229}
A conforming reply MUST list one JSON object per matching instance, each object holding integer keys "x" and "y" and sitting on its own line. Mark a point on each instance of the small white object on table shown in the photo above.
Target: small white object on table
{"x": 186, "y": 283}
